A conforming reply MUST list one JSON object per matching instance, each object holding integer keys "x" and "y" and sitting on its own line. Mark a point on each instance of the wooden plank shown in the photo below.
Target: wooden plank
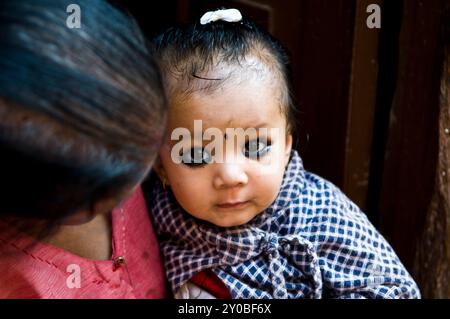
{"x": 362, "y": 103}
{"x": 432, "y": 263}
{"x": 411, "y": 151}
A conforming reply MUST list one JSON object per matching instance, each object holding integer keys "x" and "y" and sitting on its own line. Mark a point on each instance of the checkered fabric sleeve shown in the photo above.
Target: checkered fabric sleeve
{"x": 354, "y": 259}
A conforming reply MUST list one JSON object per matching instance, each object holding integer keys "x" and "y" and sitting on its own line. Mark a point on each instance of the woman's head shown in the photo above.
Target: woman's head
{"x": 82, "y": 111}
{"x": 229, "y": 76}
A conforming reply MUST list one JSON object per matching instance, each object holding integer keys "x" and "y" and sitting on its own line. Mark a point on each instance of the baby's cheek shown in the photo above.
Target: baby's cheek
{"x": 267, "y": 187}
{"x": 183, "y": 187}
{"x": 189, "y": 190}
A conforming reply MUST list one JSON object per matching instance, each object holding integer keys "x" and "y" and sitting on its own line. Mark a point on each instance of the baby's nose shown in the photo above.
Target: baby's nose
{"x": 230, "y": 175}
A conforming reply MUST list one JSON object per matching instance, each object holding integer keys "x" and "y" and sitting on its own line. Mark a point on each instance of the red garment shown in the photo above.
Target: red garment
{"x": 210, "y": 282}
{"x": 46, "y": 271}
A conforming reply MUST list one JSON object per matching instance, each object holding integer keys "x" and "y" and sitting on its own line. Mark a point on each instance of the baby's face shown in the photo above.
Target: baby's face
{"x": 245, "y": 175}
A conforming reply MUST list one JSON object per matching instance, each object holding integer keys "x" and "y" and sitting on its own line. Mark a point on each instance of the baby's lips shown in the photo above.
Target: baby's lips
{"x": 233, "y": 204}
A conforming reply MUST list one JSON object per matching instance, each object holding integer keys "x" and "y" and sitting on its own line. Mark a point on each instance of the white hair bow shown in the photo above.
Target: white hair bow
{"x": 229, "y": 15}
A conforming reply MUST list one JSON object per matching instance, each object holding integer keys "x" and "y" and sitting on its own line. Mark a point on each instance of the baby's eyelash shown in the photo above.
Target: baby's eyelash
{"x": 255, "y": 149}
{"x": 197, "y": 157}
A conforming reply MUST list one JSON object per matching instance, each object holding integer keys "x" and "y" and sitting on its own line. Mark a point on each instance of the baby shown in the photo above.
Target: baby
{"x": 236, "y": 213}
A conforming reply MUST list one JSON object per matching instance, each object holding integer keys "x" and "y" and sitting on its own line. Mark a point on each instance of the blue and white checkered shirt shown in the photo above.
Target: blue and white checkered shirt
{"x": 312, "y": 242}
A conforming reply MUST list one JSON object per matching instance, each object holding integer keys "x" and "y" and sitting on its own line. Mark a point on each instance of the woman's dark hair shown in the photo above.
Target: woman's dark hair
{"x": 82, "y": 111}
{"x": 187, "y": 52}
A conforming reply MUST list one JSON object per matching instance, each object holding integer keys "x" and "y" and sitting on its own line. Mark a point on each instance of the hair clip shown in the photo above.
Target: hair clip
{"x": 228, "y": 15}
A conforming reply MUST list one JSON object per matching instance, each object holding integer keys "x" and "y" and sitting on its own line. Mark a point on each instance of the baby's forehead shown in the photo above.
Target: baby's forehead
{"x": 244, "y": 106}
{"x": 194, "y": 73}
{"x": 245, "y": 93}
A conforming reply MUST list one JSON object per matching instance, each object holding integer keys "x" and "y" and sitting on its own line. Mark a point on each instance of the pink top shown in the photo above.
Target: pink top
{"x": 46, "y": 271}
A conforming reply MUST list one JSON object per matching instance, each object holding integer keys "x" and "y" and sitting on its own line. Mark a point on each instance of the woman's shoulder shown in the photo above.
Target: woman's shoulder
{"x": 28, "y": 268}
{"x": 34, "y": 269}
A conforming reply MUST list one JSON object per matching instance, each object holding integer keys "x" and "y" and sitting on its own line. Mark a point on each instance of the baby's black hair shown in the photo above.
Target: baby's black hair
{"x": 82, "y": 111}
{"x": 185, "y": 53}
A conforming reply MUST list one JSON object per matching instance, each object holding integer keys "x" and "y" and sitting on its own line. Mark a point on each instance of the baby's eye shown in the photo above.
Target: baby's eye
{"x": 196, "y": 156}
{"x": 255, "y": 149}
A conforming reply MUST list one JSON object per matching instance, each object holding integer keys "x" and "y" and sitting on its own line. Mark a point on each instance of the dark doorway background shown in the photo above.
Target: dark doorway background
{"x": 368, "y": 98}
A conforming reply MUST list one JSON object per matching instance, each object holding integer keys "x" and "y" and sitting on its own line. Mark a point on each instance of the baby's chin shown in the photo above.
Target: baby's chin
{"x": 239, "y": 219}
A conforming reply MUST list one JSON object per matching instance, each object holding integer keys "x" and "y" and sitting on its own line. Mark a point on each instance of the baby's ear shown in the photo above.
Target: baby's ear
{"x": 288, "y": 148}
{"x": 159, "y": 169}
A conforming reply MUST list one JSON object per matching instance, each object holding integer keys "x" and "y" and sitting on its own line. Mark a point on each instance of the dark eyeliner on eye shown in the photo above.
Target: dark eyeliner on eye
{"x": 257, "y": 148}
{"x": 196, "y": 157}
